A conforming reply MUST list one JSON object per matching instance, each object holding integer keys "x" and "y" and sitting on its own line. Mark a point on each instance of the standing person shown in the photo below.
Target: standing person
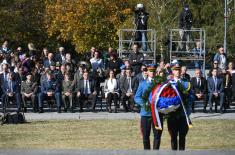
{"x": 228, "y": 85}
{"x": 177, "y": 121}
{"x": 96, "y": 62}
{"x": 136, "y": 59}
{"x": 215, "y": 90}
{"x": 33, "y": 53}
{"x": 198, "y": 52}
{"x": 141, "y": 23}
{"x": 114, "y": 64}
{"x": 185, "y": 24}
{"x": 221, "y": 58}
{"x": 184, "y": 75}
{"x": 60, "y": 56}
{"x": 146, "y": 119}
{"x": 143, "y": 74}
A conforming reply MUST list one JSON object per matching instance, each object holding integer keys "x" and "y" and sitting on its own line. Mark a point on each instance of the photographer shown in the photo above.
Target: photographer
{"x": 185, "y": 23}
{"x": 141, "y": 19}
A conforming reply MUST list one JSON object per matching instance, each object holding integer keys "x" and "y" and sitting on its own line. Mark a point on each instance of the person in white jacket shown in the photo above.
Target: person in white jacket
{"x": 111, "y": 90}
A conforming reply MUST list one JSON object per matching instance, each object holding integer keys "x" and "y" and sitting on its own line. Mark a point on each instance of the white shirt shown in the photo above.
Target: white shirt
{"x": 96, "y": 63}
{"x": 222, "y": 64}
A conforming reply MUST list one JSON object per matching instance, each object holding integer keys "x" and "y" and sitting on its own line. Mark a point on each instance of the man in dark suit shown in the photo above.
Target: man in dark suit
{"x": 136, "y": 58}
{"x": 5, "y": 71}
{"x": 233, "y": 85}
{"x": 199, "y": 88}
{"x": 143, "y": 75}
{"x": 60, "y": 56}
{"x": 50, "y": 89}
{"x": 28, "y": 91}
{"x": 215, "y": 90}
{"x": 10, "y": 90}
{"x": 128, "y": 87}
{"x": 86, "y": 90}
{"x": 47, "y": 62}
{"x": 184, "y": 75}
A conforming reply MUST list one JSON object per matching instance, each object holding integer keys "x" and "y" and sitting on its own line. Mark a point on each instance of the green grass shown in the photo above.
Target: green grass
{"x": 110, "y": 134}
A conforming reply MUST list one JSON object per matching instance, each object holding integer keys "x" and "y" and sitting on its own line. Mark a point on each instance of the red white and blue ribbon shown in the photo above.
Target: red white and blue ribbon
{"x": 156, "y": 92}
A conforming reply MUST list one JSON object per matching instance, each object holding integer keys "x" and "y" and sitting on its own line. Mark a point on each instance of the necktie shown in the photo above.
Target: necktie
{"x": 198, "y": 82}
{"x": 129, "y": 83}
{"x": 86, "y": 88}
{"x": 5, "y": 76}
{"x": 215, "y": 82}
{"x": 10, "y": 86}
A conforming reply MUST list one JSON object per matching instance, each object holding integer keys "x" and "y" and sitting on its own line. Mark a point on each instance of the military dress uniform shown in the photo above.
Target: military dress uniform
{"x": 29, "y": 87}
{"x": 68, "y": 86}
{"x": 146, "y": 119}
{"x": 177, "y": 121}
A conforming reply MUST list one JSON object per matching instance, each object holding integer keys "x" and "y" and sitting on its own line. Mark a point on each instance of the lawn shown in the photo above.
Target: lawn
{"x": 110, "y": 134}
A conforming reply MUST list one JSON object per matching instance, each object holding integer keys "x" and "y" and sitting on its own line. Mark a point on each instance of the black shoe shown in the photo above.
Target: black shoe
{"x": 216, "y": 111}
{"x": 58, "y": 110}
{"x": 41, "y": 110}
{"x": 65, "y": 109}
{"x": 81, "y": 110}
{"x": 25, "y": 110}
{"x": 110, "y": 110}
{"x": 35, "y": 110}
{"x": 204, "y": 110}
{"x": 72, "y": 110}
{"x": 221, "y": 111}
{"x": 210, "y": 111}
{"x": 94, "y": 111}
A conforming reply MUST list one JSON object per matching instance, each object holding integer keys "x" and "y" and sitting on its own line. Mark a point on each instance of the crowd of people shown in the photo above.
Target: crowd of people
{"x": 30, "y": 75}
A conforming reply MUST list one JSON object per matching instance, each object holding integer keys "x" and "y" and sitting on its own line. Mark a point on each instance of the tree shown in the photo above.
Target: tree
{"x": 86, "y": 23}
{"x": 21, "y": 22}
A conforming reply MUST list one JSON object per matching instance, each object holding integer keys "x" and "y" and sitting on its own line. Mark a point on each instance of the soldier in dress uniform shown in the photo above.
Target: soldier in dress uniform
{"x": 67, "y": 92}
{"x": 28, "y": 91}
{"x": 178, "y": 122}
{"x": 145, "y": 113}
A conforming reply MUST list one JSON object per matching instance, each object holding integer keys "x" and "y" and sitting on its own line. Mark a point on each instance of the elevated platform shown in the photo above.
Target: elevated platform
{"x": 127, "y": 39}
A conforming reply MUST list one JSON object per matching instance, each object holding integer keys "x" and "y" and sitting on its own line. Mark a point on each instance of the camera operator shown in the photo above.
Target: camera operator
{"x": 185, "y": 24}
{"x": 141, "y": 21}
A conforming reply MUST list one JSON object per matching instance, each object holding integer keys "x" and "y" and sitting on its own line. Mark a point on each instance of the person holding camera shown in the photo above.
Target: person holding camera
{"x": 185, "y": 24}
{"x": 141, "y": 21}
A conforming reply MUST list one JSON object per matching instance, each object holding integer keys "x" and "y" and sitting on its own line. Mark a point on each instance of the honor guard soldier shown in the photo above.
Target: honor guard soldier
{"x": 146, "y": 119}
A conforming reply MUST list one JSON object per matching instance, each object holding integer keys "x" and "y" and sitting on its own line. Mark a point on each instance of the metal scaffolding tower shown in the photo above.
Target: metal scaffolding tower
{"x": 127, "y": 39}
{"x": 183, "y": 48}
{"x": 229, "y": 6}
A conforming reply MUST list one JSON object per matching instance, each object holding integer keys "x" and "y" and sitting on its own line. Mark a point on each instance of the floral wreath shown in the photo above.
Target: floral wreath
{"x": 158, "y": 80}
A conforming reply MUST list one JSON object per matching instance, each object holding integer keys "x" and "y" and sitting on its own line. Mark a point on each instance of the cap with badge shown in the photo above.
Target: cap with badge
{"x": 151, "y": 67}
{"x": 175, "y": 65}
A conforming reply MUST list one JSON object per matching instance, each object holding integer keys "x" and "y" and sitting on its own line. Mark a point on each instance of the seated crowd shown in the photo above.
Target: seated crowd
{"x": 28, "y": 76}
